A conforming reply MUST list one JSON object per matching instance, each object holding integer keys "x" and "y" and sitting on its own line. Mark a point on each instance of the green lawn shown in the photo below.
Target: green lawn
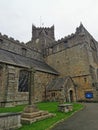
{"x": 52, "y": 107}
{"x": 12, "y": 109}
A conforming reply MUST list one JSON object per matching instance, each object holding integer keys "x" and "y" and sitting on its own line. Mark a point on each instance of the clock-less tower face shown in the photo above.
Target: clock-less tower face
{"x": 42, "y": 37}
{"x": 37, "y": 40}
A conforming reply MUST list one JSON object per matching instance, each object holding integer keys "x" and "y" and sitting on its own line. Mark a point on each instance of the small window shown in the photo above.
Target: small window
{"x": 65, "y": 41}
{"x": 1, "y": 40}
{"x": 58, "y": 62}
{"x": 24, "y": 51}
{"x": 85, "y": 80}
{"x": 97, "y": 88}
{"x": 53, "y": 94}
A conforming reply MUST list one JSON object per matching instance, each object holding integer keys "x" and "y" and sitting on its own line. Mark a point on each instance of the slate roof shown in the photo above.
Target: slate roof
{"x": 19, "y": 60}
{"x": 57, "y": 84}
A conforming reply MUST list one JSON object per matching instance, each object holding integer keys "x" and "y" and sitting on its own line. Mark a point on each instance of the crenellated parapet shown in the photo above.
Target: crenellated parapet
{"x": 68, "y": 41}
{"x": 20, "y": 48}
{"x": 36, "y": 31}
{"x": 66, "y": 38}
{"x": 6, "y": 37}
{"x": 40, "y": 28}
{"x": 17, "y": 42}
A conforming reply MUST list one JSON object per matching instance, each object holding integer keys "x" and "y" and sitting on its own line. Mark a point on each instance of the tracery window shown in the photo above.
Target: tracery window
{"x": 23, "y": 85}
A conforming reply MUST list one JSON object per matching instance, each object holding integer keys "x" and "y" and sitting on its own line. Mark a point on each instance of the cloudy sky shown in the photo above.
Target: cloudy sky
{"x": 17, "y": 16}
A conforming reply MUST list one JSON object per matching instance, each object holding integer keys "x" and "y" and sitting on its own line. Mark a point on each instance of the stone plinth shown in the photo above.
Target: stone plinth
{"x": 61, "y": 100}
{"x": 31, "y": 108}
{"x": 65, "y": 107}
{"x": 32, "y": 114}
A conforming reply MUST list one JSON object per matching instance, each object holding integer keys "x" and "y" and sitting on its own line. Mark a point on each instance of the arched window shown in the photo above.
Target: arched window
{"x": 23, "y": 85}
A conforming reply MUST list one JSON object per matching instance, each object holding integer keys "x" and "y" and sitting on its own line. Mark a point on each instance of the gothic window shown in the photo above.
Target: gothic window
{"x": 23, "y": 85}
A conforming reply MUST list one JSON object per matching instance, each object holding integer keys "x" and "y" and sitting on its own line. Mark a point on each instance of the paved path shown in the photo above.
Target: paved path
{"x": 87, "y": 119}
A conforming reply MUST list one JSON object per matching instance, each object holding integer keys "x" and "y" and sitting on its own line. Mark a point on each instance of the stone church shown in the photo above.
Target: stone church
{"x": 65, "y": 69}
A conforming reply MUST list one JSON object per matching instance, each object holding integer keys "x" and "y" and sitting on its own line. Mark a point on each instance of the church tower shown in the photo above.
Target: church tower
{"x": 42, "y": 37}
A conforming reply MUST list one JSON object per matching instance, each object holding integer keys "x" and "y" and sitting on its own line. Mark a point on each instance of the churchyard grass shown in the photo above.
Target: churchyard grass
{"x": 12, "y": 109}
{"x": 52, "y": 107}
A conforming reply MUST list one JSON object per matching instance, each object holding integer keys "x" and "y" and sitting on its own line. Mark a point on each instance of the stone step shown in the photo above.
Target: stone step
{"x": 27, "y": 120}
{"x": 34, "y": 114}
{"x": 44, "y": 117}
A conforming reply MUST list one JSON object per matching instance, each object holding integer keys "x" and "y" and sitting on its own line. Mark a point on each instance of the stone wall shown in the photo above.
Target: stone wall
{"x": 63, "y": 92}
{"x": 15, "y": 46}
{"x": 36, "y": 31}
{"x": 9, "y": 92}
{"x": 10, "y": 121}
{"x": 9, "y": 89}
{"x": 41, "y": 81}
{"x": 41, "y": 37}
{"x": 54, "y": 95}
{"x": 75, "y": 62}
{"x": 3, "y": 83}
{"x": 72, "y": 61}
{"x": 83, "y": 85}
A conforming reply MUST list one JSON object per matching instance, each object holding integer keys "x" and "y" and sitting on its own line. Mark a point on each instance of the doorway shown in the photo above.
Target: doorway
{"x": 71, "y": 96}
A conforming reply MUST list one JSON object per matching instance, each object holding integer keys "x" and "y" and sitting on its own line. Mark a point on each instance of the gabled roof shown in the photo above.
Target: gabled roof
{"x": 58, "y": 84}
{"x": 21, "y": 61}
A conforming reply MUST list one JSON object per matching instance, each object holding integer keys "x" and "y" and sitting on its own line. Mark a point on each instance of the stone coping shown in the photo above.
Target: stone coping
{"x": 62, "y": 105}
{"x": 9, "y": 114}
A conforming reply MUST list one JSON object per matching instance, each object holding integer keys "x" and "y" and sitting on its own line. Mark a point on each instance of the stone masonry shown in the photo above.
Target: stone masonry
{"x": 74, "y": 56}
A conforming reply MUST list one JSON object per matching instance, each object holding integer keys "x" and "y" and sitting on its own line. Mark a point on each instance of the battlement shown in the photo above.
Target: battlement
{"x": 40, "y": 28}
{"x": 3, "y": 36}
{"x": 37, "y": 32}
{"x": 11, "y": 39}
{"x": 67, "y": 42}
{"x": 65, "y": 38}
